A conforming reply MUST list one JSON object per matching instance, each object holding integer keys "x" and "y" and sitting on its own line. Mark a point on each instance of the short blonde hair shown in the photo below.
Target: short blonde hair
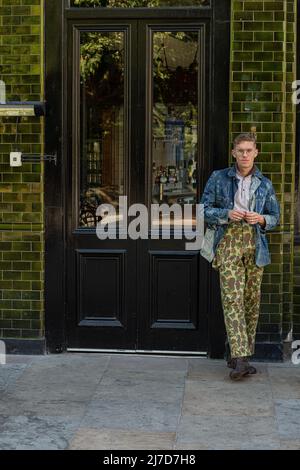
{"x": 246, "y": 137}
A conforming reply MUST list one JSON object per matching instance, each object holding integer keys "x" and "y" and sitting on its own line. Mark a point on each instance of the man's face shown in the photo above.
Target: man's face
{"x": 245, "y": 154}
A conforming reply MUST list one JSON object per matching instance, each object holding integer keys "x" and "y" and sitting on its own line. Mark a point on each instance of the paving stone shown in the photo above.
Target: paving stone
{"x": 290, "y": 444}
{"x": 132, "y": 414}
{"x": 37, "y": 432}
{"x": 84, "y": 363}
{"x": 146, "y": 375}
{"x": 110, "y": 439}
{"x": 19, "y": 359}
{"x": 9, "y": 373}
{"x": 38, "y": 391}
{"x": 203, "y": 370}
{"x": 288, "y": 418}
{"x": 224, "y": 398}
{"x": 55, "y": 380}
{"x": 190, "y": 446}
{"x": 285, "y": 383}
{"x": 280, "y": 365}
{"x": 27, "y": 407}
{"x": 218, "y": 370}
{"x": 139, "y": 386}
{"x": 149, "y": 363}
{"x": 228, "y": 432}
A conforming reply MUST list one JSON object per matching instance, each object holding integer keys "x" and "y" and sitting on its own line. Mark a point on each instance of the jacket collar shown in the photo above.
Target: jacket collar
{"x": 255, "y": 172}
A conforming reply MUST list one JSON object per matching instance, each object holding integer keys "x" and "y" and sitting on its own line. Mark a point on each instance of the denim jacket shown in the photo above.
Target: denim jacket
{"x": 218, "y": 200}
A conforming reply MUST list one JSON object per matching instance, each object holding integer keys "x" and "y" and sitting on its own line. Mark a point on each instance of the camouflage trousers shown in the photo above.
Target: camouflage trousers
{"x": 240, "y": 281}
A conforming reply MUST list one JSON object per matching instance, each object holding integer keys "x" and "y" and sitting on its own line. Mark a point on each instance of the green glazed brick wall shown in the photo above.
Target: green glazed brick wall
{"x": 297, "y": 293}
{"x": 289, "y": 165}
{"x": 21, "y": 189}
{"x": 263, "y": 60}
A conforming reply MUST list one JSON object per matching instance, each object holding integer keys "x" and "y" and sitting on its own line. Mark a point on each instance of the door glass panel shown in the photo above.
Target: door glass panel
{"x": 139, "y": 3}
{"x": 175, "y": 117}
{"x": 102, "y": 122}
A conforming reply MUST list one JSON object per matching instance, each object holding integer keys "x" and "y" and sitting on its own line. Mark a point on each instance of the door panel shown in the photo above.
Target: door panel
{"x": 173, "y": 290}
{"x": 101, "y": 303}
{"x": 172, "y": 309}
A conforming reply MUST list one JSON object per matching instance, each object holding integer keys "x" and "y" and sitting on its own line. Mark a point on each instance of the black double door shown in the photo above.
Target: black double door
{"x": 136, "y": 116}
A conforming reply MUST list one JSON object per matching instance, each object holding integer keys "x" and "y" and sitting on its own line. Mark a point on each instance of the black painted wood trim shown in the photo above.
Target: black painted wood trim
{"x": 138, "y": 13}
{"x": 297, "y": 166}
{"x": 54, "y": 226}
{"x": 218, "y": 151}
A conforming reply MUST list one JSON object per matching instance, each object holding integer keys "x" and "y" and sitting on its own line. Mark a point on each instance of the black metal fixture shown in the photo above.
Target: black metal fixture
{"x": 36, "y": 158}
{"x": 17, "y": 158}
{"x": 22, "y": 109}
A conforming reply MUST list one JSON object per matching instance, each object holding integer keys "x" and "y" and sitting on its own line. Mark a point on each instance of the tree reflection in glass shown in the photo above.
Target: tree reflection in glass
{"x": 102, "y": 122}
{"x": 138, "y": 3}
{"x": 175, "y": 117}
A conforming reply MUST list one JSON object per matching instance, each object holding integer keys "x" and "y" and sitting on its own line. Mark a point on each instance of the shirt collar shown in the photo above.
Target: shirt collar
{"x": 254, "y": 172}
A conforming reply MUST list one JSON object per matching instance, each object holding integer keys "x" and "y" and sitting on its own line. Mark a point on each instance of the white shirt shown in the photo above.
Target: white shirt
{"x": 242, "y": 196}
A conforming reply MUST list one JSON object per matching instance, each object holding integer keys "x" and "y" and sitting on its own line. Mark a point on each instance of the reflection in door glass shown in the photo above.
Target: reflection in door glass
{"x": 175, "y": 117}
{"x": 138, "y": 3}
{"x": 102, "y": 122}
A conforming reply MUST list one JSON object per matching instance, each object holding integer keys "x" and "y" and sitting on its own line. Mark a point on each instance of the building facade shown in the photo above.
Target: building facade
{"x": 141, "y": 99}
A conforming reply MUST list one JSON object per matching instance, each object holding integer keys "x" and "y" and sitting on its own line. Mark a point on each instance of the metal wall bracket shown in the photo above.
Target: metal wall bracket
{"x": 19, "y": 109}
{"x": 36, "y": 158}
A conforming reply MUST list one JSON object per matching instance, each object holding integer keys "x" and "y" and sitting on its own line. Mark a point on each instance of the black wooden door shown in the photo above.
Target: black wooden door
{"x": 137, "y": 116}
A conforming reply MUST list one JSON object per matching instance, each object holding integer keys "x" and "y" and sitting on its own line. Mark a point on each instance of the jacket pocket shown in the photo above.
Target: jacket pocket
{"x": 222, "y": 201}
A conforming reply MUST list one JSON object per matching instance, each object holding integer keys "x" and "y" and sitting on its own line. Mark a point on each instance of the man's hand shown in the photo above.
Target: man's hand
{"x": 254, "y": 218}
{"x": 236, "y": 215}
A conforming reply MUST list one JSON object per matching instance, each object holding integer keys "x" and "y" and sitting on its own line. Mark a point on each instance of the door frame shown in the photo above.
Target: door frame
{"x": 297, "y": 150}
{"x": 57, "y": 13}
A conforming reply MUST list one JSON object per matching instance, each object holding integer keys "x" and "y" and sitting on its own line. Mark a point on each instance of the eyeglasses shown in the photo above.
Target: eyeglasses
{"x": 241, "y": 152}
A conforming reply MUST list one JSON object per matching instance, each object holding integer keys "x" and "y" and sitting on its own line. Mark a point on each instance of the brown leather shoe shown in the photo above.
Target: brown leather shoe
{"x": 251, "y": 369}
{"x": 241, "y": 368}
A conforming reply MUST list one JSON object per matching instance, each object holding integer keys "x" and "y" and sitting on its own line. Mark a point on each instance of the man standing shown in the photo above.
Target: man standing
{"x": 240, "y": 205}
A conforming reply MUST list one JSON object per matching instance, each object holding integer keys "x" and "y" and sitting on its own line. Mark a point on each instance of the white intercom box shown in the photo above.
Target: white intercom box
{"x": 15, "y": 158}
